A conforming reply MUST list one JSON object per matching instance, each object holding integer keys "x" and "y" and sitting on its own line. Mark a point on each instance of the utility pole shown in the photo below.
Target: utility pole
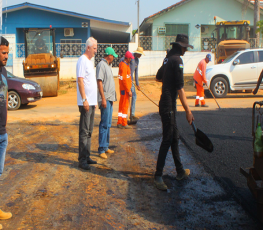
{"x": 256, "y": 19}
{"x": 138, "y": 21}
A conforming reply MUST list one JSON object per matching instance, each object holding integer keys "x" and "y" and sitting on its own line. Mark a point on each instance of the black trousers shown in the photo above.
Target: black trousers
{"x": 86, "y": 124}
{"x": 170, "y": 139}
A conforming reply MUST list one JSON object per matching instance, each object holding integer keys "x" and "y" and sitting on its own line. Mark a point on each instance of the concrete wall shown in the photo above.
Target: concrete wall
{"x": 149, "y": 64}
{"x": 202, "y": 12}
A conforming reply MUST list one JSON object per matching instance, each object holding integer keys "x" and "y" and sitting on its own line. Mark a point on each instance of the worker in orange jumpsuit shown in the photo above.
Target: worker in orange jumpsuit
{"x": 199, "y": 78}
{"x": 125, "y": 90}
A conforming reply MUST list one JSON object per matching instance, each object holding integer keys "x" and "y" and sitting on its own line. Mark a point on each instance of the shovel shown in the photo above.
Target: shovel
{"x": 202, "y": 140}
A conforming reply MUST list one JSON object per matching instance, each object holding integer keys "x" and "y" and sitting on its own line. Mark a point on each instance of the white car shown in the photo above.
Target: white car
{"x": 240, "y": 71}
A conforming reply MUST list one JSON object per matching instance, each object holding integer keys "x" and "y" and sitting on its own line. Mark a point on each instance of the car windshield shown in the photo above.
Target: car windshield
{"x": 9, "y": 75}
{"x": 228, "y": 59}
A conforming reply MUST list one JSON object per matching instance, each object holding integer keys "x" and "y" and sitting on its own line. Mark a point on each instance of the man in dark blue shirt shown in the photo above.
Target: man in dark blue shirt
{"x": 171, "y": 75}
{"x": 134, "y": 65}
{"x": 4, "y": 50}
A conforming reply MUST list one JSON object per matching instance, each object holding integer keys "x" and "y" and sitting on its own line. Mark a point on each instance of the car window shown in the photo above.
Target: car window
{"x": 260, "y": 56}
{"x": 246, "y": 58}
{"x": 9, "y": 75}
{"x": 228, "y": 59}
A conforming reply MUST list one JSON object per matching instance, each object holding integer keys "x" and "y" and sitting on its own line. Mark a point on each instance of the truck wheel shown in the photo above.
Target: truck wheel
{"x": 219, "y": 87}
{"x": 14, "y": 100}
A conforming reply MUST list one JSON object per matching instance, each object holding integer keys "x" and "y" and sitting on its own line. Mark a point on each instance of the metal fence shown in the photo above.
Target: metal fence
{"x": 161, "y": 43}
{"x": 74, "y": 50}
{"x": 119, "y": 49}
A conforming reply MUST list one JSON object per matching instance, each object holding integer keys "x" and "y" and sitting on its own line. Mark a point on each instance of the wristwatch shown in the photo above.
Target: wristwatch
{"x": 83, "y": 100}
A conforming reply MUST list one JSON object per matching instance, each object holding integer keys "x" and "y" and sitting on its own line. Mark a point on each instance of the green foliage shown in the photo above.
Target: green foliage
{"x": 260, "y": 27}
{"x": 133, "y": 32}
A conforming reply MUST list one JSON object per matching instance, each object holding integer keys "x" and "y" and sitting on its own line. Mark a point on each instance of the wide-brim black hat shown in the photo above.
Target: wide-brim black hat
{"x": 182, "y": 40}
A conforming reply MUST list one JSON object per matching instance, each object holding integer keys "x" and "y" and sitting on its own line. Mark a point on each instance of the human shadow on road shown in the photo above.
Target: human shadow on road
{"x": 41, "y": 158}
{"x": 141, "y": 196}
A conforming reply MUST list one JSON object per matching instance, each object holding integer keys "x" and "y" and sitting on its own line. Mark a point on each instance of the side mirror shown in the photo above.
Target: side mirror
{"x": 236, "y": 62}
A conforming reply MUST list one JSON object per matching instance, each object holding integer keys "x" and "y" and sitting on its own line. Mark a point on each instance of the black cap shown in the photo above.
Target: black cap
{"x": 182, "y": 40}
{"x": 3, "y": 41}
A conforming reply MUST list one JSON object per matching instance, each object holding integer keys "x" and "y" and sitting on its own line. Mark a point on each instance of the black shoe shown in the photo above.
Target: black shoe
{"x": 84, "y": 166}
{"x": 91, "y": 162}
{"x": 204, "y": 105}
{"x": 197, "y": 105}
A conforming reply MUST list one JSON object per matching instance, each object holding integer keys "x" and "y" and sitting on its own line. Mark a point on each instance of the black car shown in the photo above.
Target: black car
{"x": 22, "y": 91}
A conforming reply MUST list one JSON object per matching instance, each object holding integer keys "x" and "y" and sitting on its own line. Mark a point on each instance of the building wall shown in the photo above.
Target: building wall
{"x": 203, "y": 12}
{"x": 15, "y": 22}
{"x": 38, "y": 19}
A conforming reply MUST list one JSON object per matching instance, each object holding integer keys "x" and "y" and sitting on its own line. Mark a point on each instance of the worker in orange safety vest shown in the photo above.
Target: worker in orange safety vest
{"x": 125, "y": 90}
{"x": 199, "y": 78}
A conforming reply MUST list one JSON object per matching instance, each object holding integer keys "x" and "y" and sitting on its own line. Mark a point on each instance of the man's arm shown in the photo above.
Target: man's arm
{"x": 189, "y": 115}
{"x": 258, "y": 83}
{"x": 159, "y": 74}
{"x": 204, "y": 73}
{"x": 82, "y": 93}
{"x": 137, "y": 78}
{"x": 6, "y": 105}
{"x": 100, "y": 86}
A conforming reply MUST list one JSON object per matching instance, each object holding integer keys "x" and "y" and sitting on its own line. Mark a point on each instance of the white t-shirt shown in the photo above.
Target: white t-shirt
{"x": 85, "y": 69}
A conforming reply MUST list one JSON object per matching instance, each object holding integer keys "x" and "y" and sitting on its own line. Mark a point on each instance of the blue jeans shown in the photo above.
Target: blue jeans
{"x": 104, "y": 127}
{"x": 134, "y": 97}
{"x": 3, "y": 146}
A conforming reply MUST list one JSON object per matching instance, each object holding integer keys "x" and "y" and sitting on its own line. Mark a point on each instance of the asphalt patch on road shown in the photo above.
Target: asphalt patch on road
{"x": 215, "y": 185}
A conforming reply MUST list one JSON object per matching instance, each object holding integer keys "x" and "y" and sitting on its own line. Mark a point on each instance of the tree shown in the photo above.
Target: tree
{"x": 260, "y": 27}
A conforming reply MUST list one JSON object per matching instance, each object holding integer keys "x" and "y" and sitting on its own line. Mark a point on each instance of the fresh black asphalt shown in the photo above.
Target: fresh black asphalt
{"x": 230, "y": 131}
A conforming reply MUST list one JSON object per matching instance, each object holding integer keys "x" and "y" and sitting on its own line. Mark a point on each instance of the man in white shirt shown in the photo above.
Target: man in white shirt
{"x": 87, "y": 101}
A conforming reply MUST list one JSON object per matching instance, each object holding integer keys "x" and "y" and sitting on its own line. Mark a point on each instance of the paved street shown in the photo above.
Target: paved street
{"x": 44, "y": 189}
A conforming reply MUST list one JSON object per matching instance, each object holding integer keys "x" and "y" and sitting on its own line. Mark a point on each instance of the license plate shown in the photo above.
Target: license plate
{"x": 41, "y": 93}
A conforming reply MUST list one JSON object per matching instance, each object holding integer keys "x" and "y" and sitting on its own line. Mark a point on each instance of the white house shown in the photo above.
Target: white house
{"x": 184, "y": 16}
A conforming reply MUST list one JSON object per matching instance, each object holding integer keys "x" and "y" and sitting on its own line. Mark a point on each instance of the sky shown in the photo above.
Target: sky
{"x": 119, "y": 10}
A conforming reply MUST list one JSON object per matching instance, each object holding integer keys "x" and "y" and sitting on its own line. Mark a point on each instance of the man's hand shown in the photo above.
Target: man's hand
{"x": 104, "y": 103}
{"x": 86, "y": 105}
{"x": 255, "y": 91}
{"x": 138, "y": 87}
{"x": 130, "y": 94}
{"x": 189, "y": 117}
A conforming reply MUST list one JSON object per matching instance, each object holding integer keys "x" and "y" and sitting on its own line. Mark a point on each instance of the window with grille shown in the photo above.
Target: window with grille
{"x": 174, "y": 29}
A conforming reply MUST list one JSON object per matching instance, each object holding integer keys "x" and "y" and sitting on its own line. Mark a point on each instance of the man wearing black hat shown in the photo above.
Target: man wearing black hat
{"x": 171, "y": 75}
